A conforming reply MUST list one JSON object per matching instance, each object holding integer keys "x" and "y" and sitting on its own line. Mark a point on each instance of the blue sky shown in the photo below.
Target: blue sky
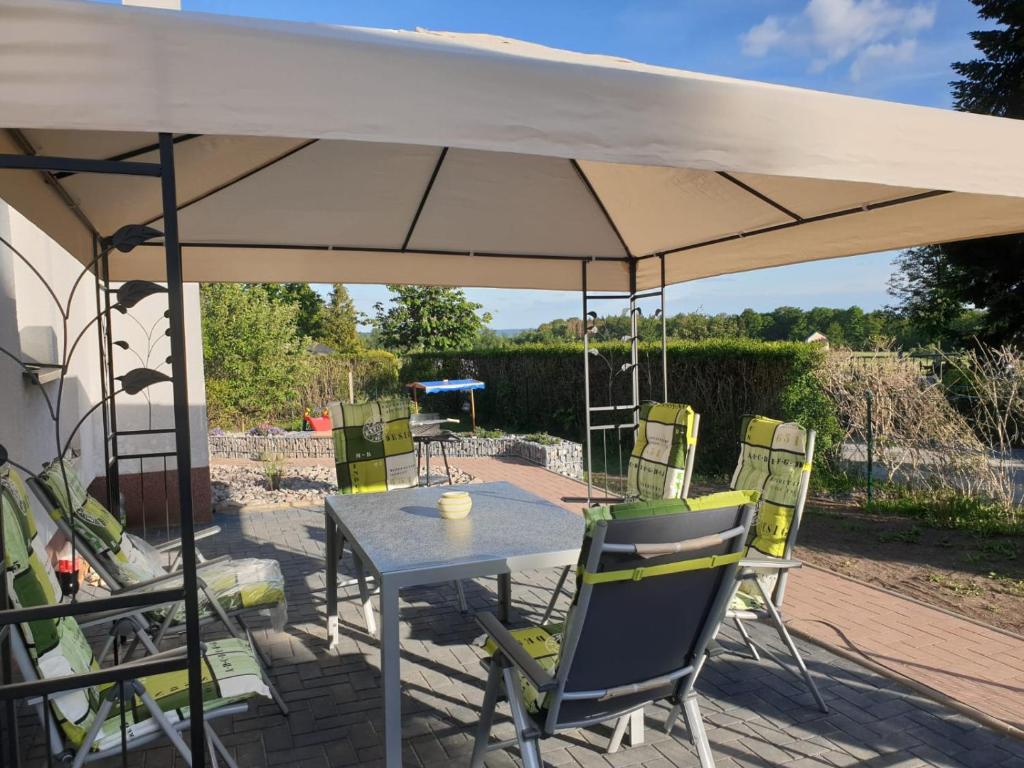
{"x": 898, "y": 50}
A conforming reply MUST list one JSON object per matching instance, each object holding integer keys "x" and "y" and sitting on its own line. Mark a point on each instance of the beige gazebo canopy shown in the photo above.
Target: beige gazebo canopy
{"x": 333, "y": 154}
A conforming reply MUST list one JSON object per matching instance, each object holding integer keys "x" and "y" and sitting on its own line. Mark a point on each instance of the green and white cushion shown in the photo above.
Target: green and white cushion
{"x": 773, "y": 459}
{"x": 635, "y": 509}
{"x": 248, "y": 583}
{"x": 58, "y": 648}
{"x": 373, "y": 447}
{"x": 544, "y": 644}
{"x": 657, "y": 465}
{"x": 230, "y": 673}
{"x": 236, "y": 584}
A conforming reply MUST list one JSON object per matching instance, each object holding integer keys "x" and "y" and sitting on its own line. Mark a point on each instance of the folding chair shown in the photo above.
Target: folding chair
{"x": 374, "y": 453}
{"x": 230, "y": 590}
{"x": 660, "y": 464}
{"x": 84, "y": 725}
{"x": 653, "y": 588}
{"x": 776, "y": 459}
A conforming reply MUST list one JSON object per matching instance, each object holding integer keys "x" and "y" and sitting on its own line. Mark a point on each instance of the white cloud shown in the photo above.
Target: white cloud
{"x": 762, "y": 38}
{"x": 832, "y": 31}
{"x": 881, "y": 54}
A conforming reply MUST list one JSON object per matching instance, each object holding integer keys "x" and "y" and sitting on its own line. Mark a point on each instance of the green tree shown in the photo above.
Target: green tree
{"x": 307, "y": 302}
{"x": 338, "y": 321}
{"x": 252, "y": 353}
{"x": 987, "y": 274}
{"x": 426, "y": 318}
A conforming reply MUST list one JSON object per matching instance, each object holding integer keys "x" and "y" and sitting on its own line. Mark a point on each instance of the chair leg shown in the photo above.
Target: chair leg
{"x": 780, "y": 627}
{"x": 617, "y": 734}
{"x": 636, "y": 727}
{"x": 633, "y": 723}
{"x": 746, "y": 638}
{"x": 364, "y": 596}
{"x": 697, "y": 733}
{"x": 265, "y": 665}
{"x": 529, "y": 749}
{"x": 554, "y": 595}
{"x": 214, "y": 762}
{"x": 218, "y": 745}
{"x": 483, "y": 730}
{"x": 460, "y": 592}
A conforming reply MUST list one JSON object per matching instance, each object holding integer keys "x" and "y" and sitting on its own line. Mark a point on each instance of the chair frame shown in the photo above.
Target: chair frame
{"x": 84, "y": 754}
{"x": 772, "y": 613}
{"x": 510, "y": 657}
{"x": 232, "y": 621}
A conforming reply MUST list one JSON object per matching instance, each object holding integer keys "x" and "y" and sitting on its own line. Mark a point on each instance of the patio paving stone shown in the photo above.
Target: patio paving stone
{"x": 756, "y": 714}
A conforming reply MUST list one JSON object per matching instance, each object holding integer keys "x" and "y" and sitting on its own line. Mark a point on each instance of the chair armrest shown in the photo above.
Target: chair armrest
{"x": 144, "y": 585}
{"x": 515, "y": 653}
{"x": 170, "y": 546}
{"x": 766, "y": 562}
{"x": 107, "y": 617}
{"x": 207, "y": 563}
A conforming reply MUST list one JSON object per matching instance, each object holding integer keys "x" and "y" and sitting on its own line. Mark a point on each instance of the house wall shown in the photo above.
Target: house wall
{"x": 31, "y": 328}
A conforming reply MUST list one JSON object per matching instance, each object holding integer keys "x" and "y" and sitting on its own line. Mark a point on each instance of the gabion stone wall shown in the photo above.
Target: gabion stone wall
{"x": 564, "y": 457}
{"x": 292, "y": 445}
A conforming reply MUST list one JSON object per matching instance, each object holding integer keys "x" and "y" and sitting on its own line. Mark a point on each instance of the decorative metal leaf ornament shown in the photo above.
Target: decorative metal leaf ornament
{"x": 138, "y": 379}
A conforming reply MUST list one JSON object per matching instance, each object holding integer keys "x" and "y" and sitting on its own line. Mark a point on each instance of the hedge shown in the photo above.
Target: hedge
{"x": 537, "y": 387}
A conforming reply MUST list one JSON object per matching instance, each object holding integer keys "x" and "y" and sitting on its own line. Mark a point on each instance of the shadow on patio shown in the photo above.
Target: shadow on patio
{"x": 756, "y": 714}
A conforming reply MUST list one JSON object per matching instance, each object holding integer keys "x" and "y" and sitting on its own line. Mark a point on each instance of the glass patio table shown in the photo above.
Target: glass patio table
{"x": 403, "y": 541}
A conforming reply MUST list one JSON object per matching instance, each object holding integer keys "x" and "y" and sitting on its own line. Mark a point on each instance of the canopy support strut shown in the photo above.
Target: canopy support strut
{"x": 618, "y": 425}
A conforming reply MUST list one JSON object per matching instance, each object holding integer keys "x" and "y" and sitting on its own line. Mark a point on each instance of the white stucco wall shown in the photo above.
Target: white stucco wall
{"x": 30, "y": 327}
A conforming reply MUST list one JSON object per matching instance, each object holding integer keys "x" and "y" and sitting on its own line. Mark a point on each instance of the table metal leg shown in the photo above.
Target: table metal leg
{"x": 331, "y": 535}
{"x": 504, "y": 597}
{"x": 390, "y": 664}
{"x": 444, "y": 455}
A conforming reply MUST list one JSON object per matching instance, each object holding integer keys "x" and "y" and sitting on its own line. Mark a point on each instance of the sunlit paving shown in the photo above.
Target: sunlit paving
{"x": 376, "y": 395}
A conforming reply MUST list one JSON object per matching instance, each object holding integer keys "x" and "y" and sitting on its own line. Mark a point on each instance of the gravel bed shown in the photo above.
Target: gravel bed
{"x": 240, "y": 483}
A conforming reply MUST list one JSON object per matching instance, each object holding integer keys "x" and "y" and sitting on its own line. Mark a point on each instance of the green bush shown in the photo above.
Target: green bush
{"x": 374, "y": 375}
{"x": 539, "y": 388}
{"x": 315, "y": 381}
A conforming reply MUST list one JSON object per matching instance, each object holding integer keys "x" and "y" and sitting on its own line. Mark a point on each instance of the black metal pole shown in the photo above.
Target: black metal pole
{"x": 113, "y": 466}
{"x": 870, "y": 397}
{"x": 183, "y": 445}
{"x": 102, "y": 349}
{"x": 9, "y": 752}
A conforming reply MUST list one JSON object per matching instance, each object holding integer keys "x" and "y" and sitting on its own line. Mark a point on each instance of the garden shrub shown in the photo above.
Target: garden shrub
{"x": 374, "y": 375}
